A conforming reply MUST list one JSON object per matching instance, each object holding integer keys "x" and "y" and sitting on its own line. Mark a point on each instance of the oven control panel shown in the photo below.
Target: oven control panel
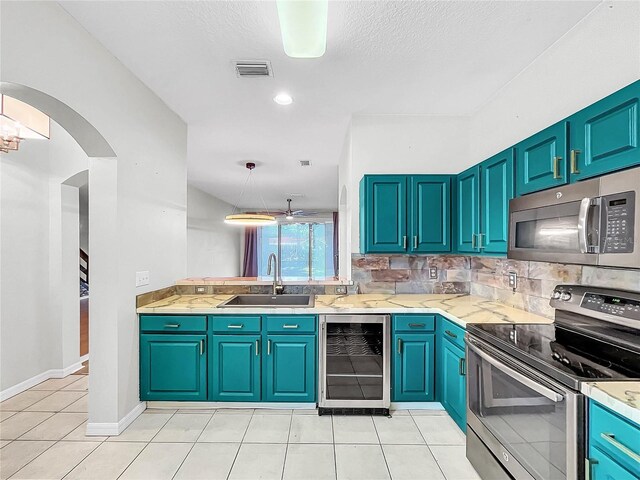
{"x": 611, "y": 304}
{"x": 618, "y": 216}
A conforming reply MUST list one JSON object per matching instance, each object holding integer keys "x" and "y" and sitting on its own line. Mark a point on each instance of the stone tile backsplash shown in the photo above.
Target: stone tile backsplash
{"x": 482, "y": 276}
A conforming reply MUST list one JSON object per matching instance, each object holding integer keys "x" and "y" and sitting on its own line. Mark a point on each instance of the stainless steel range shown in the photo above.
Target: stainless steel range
{"x": 354, "y": 364}
{"x": 525, "y": 412}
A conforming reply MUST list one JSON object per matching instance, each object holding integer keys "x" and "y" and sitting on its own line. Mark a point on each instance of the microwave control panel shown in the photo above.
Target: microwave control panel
{"x": 618, "y": 216}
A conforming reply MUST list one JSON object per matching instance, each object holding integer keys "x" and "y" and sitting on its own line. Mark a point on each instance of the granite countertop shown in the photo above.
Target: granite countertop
{"x": 260, "y": 281}
{"x": 621, "y": 397}
{"x": 461, "y": 309}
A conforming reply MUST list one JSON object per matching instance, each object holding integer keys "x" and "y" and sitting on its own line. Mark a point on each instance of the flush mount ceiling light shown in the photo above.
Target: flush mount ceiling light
{"x": 19, "y": 120}
{"x": 250, "y": 219}
{"x": 283, "y": 99}
{"x": 303, "y": 25}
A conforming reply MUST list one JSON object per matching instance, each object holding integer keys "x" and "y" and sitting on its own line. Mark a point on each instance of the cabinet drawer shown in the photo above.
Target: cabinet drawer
{"x": 173, "y": 323}
{"x": 414, "y": 323}
{"x": 236, "y": 324}
{"x": 616, "y": 436}
{"x": 604, "y": 468}
{"x": 291, "y": 323}
{"x": 452, "y": 332}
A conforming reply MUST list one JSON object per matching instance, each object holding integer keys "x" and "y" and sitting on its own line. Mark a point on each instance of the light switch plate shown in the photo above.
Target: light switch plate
{"x": 513, "y": 280}
{"x": 142, "y": 278}
{"x": 341, "y": 290}
{"x": 201, "y": 290}
{"x": 433, "y": 273}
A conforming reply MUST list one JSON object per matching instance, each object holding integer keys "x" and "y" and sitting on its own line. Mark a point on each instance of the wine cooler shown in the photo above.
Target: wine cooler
{"x": 354, "y": 366}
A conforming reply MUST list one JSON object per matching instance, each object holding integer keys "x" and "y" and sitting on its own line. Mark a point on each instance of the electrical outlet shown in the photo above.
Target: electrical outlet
{"x": 433, "y": 273}
{"x": 341, "y": 290}
{"x": 513, "y": 280}
{"x": 142, "y": 278}
{"x": 201, "y": 290}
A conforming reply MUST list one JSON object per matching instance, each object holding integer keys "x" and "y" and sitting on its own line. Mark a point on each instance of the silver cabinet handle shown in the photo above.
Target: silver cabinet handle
{"x": 556, "y": 167}
{"x": 473, "y": 241}
{"x": 480, "y": 241}
{"x": 201, "y": 346}
{"x": 451, "y": 334}
{"x": 416, "y": 325}
{"x": 462, "y": 367}
{"x": 415, "y": 242}
{"x": 235, "y": 326}
{"x": 532, "y": 384}
{"x": 171, "y": 325}
{"x": 289, "y": 326}
{"x": 268, "y": 347}
{"x": 399, "y": 346}
{"x": 588, "y": 468}
{"x": 611, "y": 439}
{"x": 257, "y": 348}
{"x": 404, "y": 242}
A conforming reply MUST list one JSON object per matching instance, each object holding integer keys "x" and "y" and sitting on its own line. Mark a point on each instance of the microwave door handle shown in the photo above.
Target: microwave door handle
{"x": 533, "y": 385}
{"x": 583, "y": 218}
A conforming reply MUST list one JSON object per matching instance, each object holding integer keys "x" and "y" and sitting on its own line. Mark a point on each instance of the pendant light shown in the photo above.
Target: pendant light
{"x": 19, "y": 120}
{"x": 250, "y": 219}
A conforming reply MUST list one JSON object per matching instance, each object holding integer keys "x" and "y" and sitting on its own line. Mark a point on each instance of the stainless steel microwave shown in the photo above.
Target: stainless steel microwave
{"x": 594, "y": 222}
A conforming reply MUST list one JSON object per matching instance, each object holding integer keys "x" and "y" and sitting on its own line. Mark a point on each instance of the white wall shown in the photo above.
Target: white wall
{"x": 402, "y": 144}
{"x": 213, "y": 247}
{"x": 39, "y": 256}
{"x": 137, "y": 205}
{"x": 600, "y": 55}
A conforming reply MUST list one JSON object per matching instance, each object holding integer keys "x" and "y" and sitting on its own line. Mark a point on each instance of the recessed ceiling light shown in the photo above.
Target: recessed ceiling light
{"x": 283, "y": 99}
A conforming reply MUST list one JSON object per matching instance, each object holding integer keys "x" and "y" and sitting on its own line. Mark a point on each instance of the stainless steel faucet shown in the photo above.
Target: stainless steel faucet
{"x": 277, "y": 284}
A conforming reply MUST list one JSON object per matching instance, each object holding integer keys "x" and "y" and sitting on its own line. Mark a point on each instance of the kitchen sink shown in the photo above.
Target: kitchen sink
{"x": 284, "y": 301}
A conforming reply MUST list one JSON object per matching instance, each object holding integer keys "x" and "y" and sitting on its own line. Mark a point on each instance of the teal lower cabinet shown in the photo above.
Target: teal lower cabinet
{"x": 413, "y": 367}
{"x": 173, "y": 367}
{"x": 454, "y": 387}
{"x": 235, "y": 368}
{"x": 290, "y": 368}
{"x": 614, "y": 445}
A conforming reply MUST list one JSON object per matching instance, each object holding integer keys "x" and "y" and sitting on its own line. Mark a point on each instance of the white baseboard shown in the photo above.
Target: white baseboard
{"x": 115, "y": 428}
{"x": 33, "y": 381}
{"x": 416, "y": 406}
{"x": 199, "y": 405}
{"x": 84, "y": 358}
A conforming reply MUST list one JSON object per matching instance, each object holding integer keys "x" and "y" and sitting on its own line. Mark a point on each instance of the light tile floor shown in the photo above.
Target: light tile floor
{"x": 42, "y": 437}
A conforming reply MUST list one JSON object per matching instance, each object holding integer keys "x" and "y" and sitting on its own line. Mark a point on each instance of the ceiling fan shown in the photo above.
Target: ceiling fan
{"x": 291, "y": 214}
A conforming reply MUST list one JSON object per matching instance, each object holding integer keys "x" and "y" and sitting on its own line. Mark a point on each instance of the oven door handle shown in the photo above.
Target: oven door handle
{"x": 533, "y": 385}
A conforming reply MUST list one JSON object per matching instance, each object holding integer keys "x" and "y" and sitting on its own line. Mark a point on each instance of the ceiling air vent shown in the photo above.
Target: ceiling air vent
{"x": 252, "y": 69}
{"x": 305, "y": 163}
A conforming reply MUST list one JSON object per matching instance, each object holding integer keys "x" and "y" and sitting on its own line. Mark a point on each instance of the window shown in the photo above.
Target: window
{"x": 305, "y": 249}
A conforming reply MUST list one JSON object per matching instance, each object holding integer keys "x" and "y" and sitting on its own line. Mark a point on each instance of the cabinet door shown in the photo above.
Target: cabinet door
{"x": 383, "y": 214}
{"x": 605, "y": 468}
{"x": 468, "y": 204}
{"x": 454, "y": 388}
{"x": 235, "y": 368}
{"x": 541, "y": 160}
{"x": 430, "y": 213}
{"x": 497, "y": 189}
{"x": 291, "y": 368}
{"x": 173, "y": 367}
{"x": 413, "y": 363}
{"x": 605, "y": 135}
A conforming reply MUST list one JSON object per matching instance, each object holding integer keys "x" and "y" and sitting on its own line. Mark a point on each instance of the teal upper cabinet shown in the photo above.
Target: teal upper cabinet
{"x": 401, "y": 214}
{"x": 430, "y": 213}
{"x": 413, "y": 367}
{"x": 541, "y": 160}
{"x": 496, "y": 185}
{"x": 468, "y": 201}
{"x": 605, "y": 135}
{"x": 383, "y": 214}
{"x": 173, "y": 367}
{"x": 291, "y": 368}
{"x": 235, "y": 364}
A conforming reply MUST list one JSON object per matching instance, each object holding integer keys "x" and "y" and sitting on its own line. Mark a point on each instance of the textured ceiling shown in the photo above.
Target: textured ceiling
{"x": 392, "y": 57}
